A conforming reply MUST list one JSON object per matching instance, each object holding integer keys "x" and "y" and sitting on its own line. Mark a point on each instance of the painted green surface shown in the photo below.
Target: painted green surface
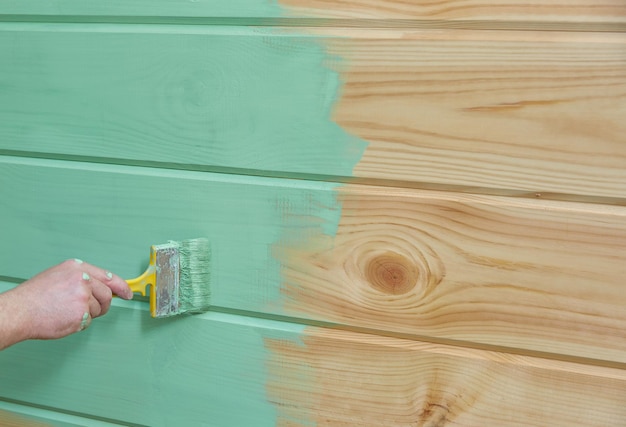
{"x": 200, "y": 370}
{"x": 243, "y": 8}
{"x": 46, "y": 417}
{"x": 226, "y": 97}
{"x": 110, "y": 215}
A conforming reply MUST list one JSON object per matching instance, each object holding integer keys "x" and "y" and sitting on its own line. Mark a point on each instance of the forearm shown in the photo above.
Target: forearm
{"x": 13, "y": 319}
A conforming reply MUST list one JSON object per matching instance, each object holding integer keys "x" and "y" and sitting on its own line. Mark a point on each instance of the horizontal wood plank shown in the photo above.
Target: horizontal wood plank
{"x": 483, "y": 270}
{"x": 17, "y": 415}
{"x": 498, "y": 111}
{"x": 367, "y": 380}
{"x": 451, "y": 10}
{"x": 216, "y": 369}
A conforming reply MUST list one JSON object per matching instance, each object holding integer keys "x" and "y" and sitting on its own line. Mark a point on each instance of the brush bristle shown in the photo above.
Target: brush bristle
{"x": 195, "y": 276}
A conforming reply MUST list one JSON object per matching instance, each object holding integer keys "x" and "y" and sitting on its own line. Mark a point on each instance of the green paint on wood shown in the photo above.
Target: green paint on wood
{"x": 211, "y": 8}
{"x": 256, "y": 99}
{"x": 230, "y": 98}
{"x": 248, "y": 220}
{"x": 37, "y": 417}
{"x": 201, "y": 370}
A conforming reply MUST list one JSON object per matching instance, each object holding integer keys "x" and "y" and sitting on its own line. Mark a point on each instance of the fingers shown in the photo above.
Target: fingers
{"x": 103, "y": 284}
{"x": 84, "y": 322}
{"x": 96, "y": 308}
{"x": 99, "y": 295}
{"x": 116, "y": 284}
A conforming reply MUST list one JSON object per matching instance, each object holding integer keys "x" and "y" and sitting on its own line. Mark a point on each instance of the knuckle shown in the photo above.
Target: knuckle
{"x": 83, "y": 294}
{"x": 77, "y": 277}
{"x": 68, "y": 263}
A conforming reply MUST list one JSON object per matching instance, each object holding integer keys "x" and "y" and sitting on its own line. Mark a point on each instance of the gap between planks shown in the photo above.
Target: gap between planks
{"x": 282, "y": 319}
{"x": 436, "y": 24}
{"x": 377, "y": 182}
{"x": 25, "y": 414}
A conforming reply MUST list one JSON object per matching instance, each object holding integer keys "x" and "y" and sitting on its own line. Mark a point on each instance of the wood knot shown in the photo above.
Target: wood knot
{"x": 392, "y": 273}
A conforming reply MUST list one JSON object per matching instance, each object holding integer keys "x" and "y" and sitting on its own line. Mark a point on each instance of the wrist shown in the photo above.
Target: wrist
{"x": 14, "y": 319}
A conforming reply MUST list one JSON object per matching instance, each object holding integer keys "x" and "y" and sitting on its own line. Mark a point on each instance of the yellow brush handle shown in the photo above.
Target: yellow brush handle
{"x": 148, "y": 278}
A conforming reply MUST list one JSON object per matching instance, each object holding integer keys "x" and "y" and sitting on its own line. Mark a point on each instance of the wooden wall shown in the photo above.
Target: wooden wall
{"x": 417, "y": 210}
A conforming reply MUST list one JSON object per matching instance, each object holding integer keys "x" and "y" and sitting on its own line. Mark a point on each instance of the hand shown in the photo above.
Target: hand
{"x": 58, "y": 302}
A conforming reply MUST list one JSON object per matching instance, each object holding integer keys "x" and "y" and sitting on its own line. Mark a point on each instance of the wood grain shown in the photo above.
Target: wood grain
{"x": 579, "y": 11}
{"x": 527, "y": 275}
{"x": 216, "y": 370}
{"x": 516, "y": 273}
{"x": 553, "y": 10}
{"x": 525, "y": 112}
{"x": 532, "y": 112}
{"x": 367, "y": 380}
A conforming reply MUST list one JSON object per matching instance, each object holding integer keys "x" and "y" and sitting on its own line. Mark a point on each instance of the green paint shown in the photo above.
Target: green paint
{"x": 225, "y": 97}
{"x": 231, "y": 97}
{"x": 246, "y": 100}
{"x": 230, "y": 8}
{"x": 201, "y": 370}
{"x": 247, "y": 220}
{"x": 50, "y": 418}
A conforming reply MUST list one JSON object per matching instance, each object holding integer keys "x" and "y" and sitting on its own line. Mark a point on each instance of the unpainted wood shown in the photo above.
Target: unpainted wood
{"x": 493, "y": 111}
{"x": 517, "y": 273}
{"x": 535, "y": 112}
{"x": 490, "y": 11}
{"x": 528, "y": 275}
{"x": 368, "y": 380}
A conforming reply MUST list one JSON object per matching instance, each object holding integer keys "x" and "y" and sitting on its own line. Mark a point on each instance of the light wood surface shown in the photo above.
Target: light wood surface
{"x": 367, "y": 380}
{"x": 309, "y": 376}
{"x": 487, "y": 270}
{"x": 507, "y": 112}
{"x": 531, "y": 112}
{"x": 516, "y": 273}
{"x": 493, "y": 11}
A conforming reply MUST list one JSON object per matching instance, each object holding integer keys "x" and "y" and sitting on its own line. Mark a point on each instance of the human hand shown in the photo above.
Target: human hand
{"x": 61, "y": 300}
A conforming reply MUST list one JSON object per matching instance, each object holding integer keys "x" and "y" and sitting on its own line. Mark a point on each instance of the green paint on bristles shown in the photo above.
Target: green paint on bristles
{"x": 195, "y": 276}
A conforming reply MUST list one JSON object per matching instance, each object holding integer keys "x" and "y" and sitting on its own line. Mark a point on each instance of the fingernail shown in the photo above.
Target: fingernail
{"x": 86, "y": 276}
{"x": 78, "y": 261}
{"x": 109, "y": 275}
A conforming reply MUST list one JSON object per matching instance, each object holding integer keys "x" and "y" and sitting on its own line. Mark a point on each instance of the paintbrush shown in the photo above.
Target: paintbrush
{"x": 179, "y": 277}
